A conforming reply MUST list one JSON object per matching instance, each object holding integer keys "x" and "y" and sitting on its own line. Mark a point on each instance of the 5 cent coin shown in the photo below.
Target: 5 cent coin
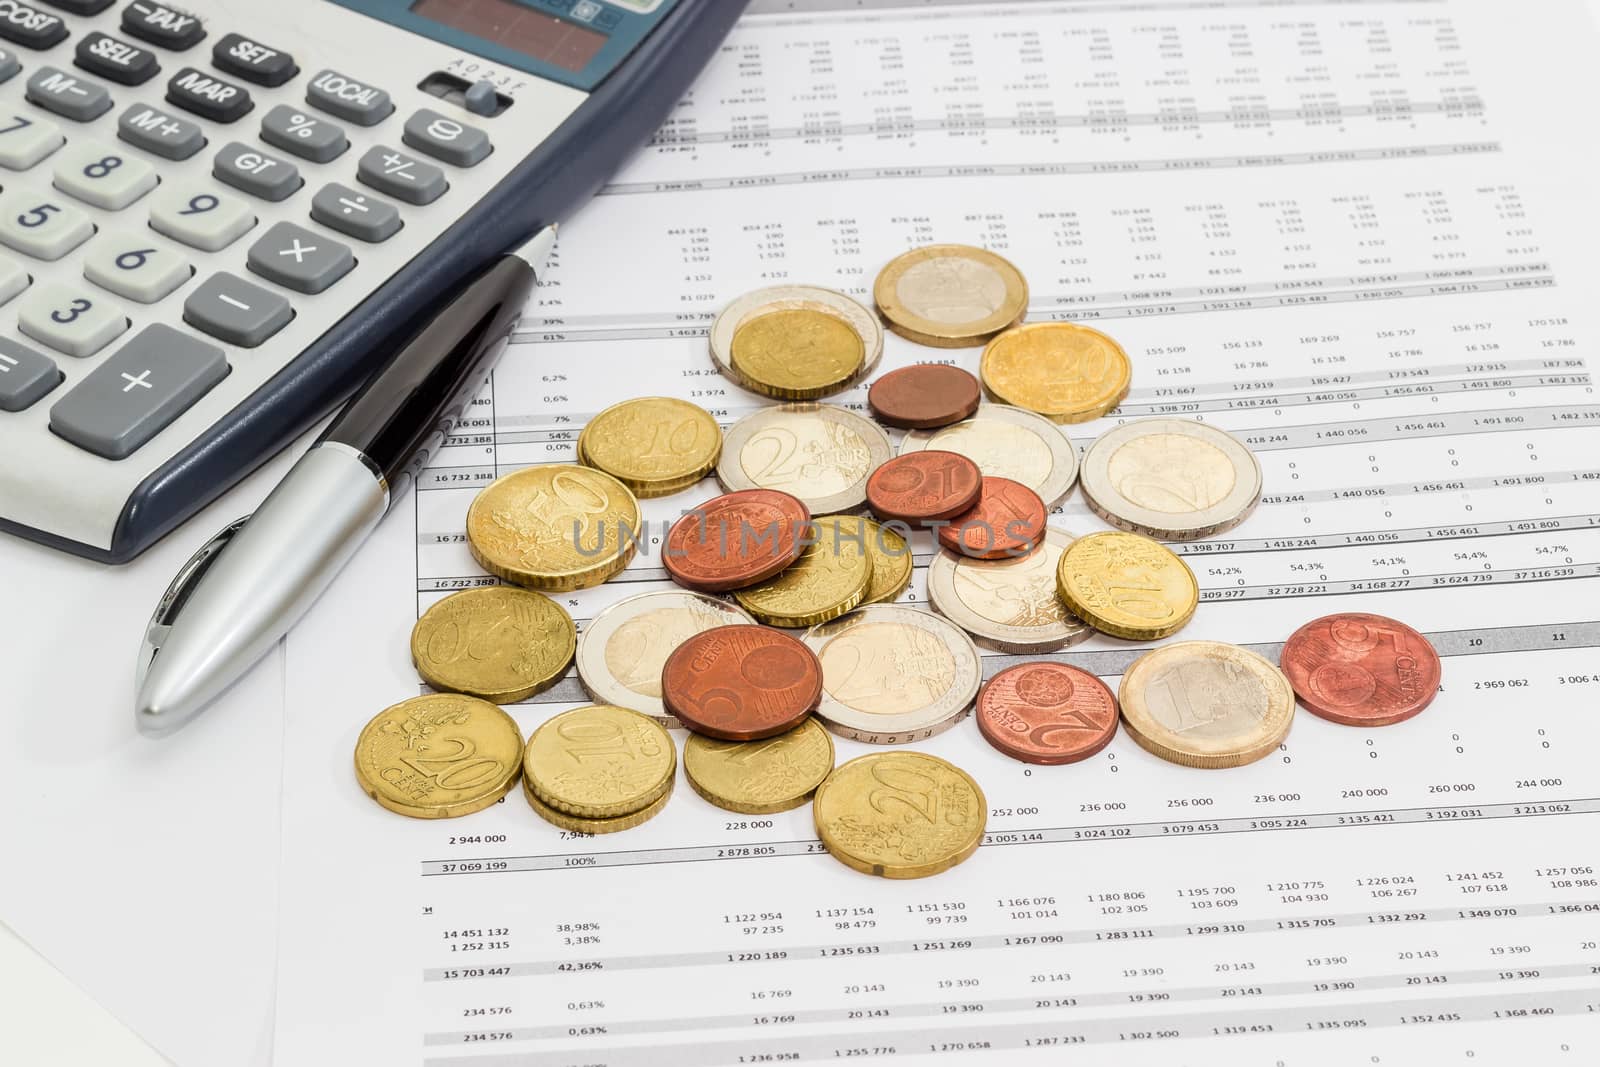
{"x": 740, "y": 683}
{"x": 1360, "y": 669}
{"x": 1047, "y": 713}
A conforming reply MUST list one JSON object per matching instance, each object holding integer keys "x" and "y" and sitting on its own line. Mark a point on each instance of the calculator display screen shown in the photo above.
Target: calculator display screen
{"x": 509, "y": 24}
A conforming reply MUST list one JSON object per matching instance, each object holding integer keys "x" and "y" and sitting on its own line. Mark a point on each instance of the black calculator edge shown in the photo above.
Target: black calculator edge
{"x": 560, "y": 176}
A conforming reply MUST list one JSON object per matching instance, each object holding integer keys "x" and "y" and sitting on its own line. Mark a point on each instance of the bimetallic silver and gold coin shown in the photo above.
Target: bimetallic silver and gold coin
{"x": 1008, "y": 442}
{"x": 654, "y": 445}
{"x": 622, "y": 650}
{"x": 439, "y": 756}
{"x": 498, "y": 643}
{"x": 760, "y": 777}
{"x": 820, "y": 453}
{"x": 1171, "y": 478}
{"x": 950, "y": 296}
{"x": 796, "y": 342}
{"x": 1009, "y": 605}
{"x": 893, "y": 675}
{"x": 900, "y": 814}
{"x": 1206, "y": 704}
{"x": 557, "y": 528}
{"x": 599, "y": 762}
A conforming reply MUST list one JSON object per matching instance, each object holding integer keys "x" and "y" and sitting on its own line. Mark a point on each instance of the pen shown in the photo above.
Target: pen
{"x": 249, "y": 585}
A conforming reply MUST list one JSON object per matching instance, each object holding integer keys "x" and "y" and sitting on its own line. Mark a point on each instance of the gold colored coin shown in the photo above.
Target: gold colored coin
{"x": 830, "y": 577}
{"x": 654, "y": 445}
{"x": 1063, "y": 371}
{"x": 1206, "y": 704}
{"x": 890, "y": 554}
{"x": 900, "y": 814}
{"x": 760, "y": 777}
{"x": 1127, "y": 585}
{"x": 497, "y": 643}
{"x": 581, "y": 825}
{"x": 950, "y": 296}
{"x": 599, "y": 761}
{"x": 558, "y": 527}
{"x": 796, "y": 353}
{"x": 439, "y": 756}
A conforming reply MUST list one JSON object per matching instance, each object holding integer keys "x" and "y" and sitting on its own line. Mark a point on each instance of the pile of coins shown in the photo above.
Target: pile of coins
{"x": 787, "y": 547}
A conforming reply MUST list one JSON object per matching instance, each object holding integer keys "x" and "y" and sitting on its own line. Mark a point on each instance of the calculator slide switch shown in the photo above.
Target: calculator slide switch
{"x": 136, "y": 393}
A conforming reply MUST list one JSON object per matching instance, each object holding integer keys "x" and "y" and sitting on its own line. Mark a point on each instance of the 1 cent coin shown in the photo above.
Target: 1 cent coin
{"x": 1047, "y": 713}
{"x": 924, "y": 397}
{"x": 736, "y": 540}
{"x": 739, "y": 683}
{"x": 1361, "y": 670}
{"x": 927, "y": 486}
{"x": 1007, "y": 521}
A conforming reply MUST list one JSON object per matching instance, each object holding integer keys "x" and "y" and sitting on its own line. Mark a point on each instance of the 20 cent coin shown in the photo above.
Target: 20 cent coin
{"x": 1065, "y": 372}
{"x": 900, "y": 814}
{"x": 439, "y": 756}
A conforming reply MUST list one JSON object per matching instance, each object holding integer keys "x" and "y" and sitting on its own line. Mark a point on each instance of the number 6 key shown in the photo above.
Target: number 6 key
{"x": 135, "y": 266}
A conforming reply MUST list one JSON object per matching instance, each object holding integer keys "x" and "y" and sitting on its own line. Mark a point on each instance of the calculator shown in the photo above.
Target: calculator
{"x": 217, "y": 220}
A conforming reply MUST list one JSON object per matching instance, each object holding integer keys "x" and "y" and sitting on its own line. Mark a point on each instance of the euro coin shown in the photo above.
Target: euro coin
{"x": 1009, "y": 605}
{"x": 1063, "y": 371}
{"x": 1047, "y": 713}
{"x": 1127, "y": 586}
{"x": 889, "y": 553}
{"x": 924, "y": 487}
{"x": 1171, "y": 478}
{"x": 439, "y": 756}
{"x": 1206, "y": 704}
{"x": 497, "y": 643}
{"x": 654, "y": 445}
{"x": 741, "y": 683}
{"x": 555, "y": 528}
{"x": 622, "y": 650}
{"x": 1007, "y": 521}
{"x": 950, "y": 296}
{"x": 1008, "y": 442}
{"x": 599, "y": 762}
{"x": 924, "y": 396}
{"x": 578, "y": 824}
{"x": 900, "y": 814}
{"x": 736, "y": 540}
{"x": 796, "y": 342}
{"x": 893, "y": 675}
{"x": 818, "y": 453}
{"x": 1360, "y": 669}
{"x": 760, "y": 777}
{"x": 830, "y": 577}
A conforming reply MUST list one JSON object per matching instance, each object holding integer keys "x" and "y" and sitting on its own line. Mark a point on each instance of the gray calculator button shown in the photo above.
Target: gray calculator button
{"x": 198, "y": 217}
{"x": 305, "y": 135}
{"x": 136, "y": 393}
{"x": 255, "y": 172}
{"x": 402, "y": 176}
{"x": 341, "y": 95}
{"x": 25, "y": 375}
{"x": 8, "y": 65}
{"x": 133, "y": 265}
{"x": 77, "y": 321}
{"x": 444, "y": 138}
{"x": 298, "y": 259}
{"x": 363, "y": 217}
{"x": 231, "y": 309}
{"x": 67, "y": 94}
{"x": 25, "y": 141}
{"x": 160, "y": 132}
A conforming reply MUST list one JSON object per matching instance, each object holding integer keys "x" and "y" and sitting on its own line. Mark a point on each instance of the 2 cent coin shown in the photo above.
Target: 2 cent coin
{"x": 736, "y": 540}
{"x": 925, "y": 396}
{"x": 739, "y": 683}
{"x": 921, "y": 487}
{"x": 1047, "y": 713}
{"x": 1360, "y": 669}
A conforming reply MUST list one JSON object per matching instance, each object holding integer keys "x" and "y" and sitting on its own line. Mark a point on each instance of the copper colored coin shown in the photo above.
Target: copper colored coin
{"x": 925, "y": 396}
{"x": 736, "y": 540}
{"x": 741, "y": 682}
{"x": 1047, "y": 712}
{"x": 1007, "y": 521}
{"x": 1361, "y": 670}
{"x": 924, "y": 486}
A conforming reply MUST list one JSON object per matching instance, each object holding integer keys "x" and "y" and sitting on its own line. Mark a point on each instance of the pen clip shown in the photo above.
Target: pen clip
{"x": 177, "y": 594}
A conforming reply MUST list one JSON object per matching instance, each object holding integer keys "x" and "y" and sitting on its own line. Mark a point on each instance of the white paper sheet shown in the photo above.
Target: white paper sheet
{"x": 1358, "y": 235}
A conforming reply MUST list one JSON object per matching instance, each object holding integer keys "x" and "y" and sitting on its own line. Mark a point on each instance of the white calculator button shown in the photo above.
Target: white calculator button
{"x": 79, "y": 322}
{"x": 13, "y": 278}
{"x": 134, "y": 266}
{"x": 200, "y": 218}
{"x": 43, "y": 225}
{"x": 25, "y": 141}
{"x": 106, "y": 177}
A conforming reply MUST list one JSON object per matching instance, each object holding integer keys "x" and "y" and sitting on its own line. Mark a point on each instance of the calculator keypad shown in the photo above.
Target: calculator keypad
{"x": 160, "y": 132}
{"x": 135, "y": 267}
{"x": 25, "y": 375}
{"x": 402, "y": 176}
{"x": 363, "y": 217}
{"x": 31, "y": 28}
{"x": 114, "y": 60}
{"x": 298, "y": 259}
{"x": 306, "y": 136}
{"x": 13, "y": 279}
{"x": 208, "y": 96}
{"x": 70, "y": 319}
{"x": 233, "y": 310}
{"x": 345, "y": 97}
{"x": 101, "y": 175}
{"x": 162, "y": 25}
{"x": 40, "y": 225}
{"x": 446, "y": 139}
{"x": 196, "y": 216}
{"x": 25, "y": 141}
{"x": 252, "y": 60}
{"x": 68, "y": 95}
{"x": 255, "y": 172}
